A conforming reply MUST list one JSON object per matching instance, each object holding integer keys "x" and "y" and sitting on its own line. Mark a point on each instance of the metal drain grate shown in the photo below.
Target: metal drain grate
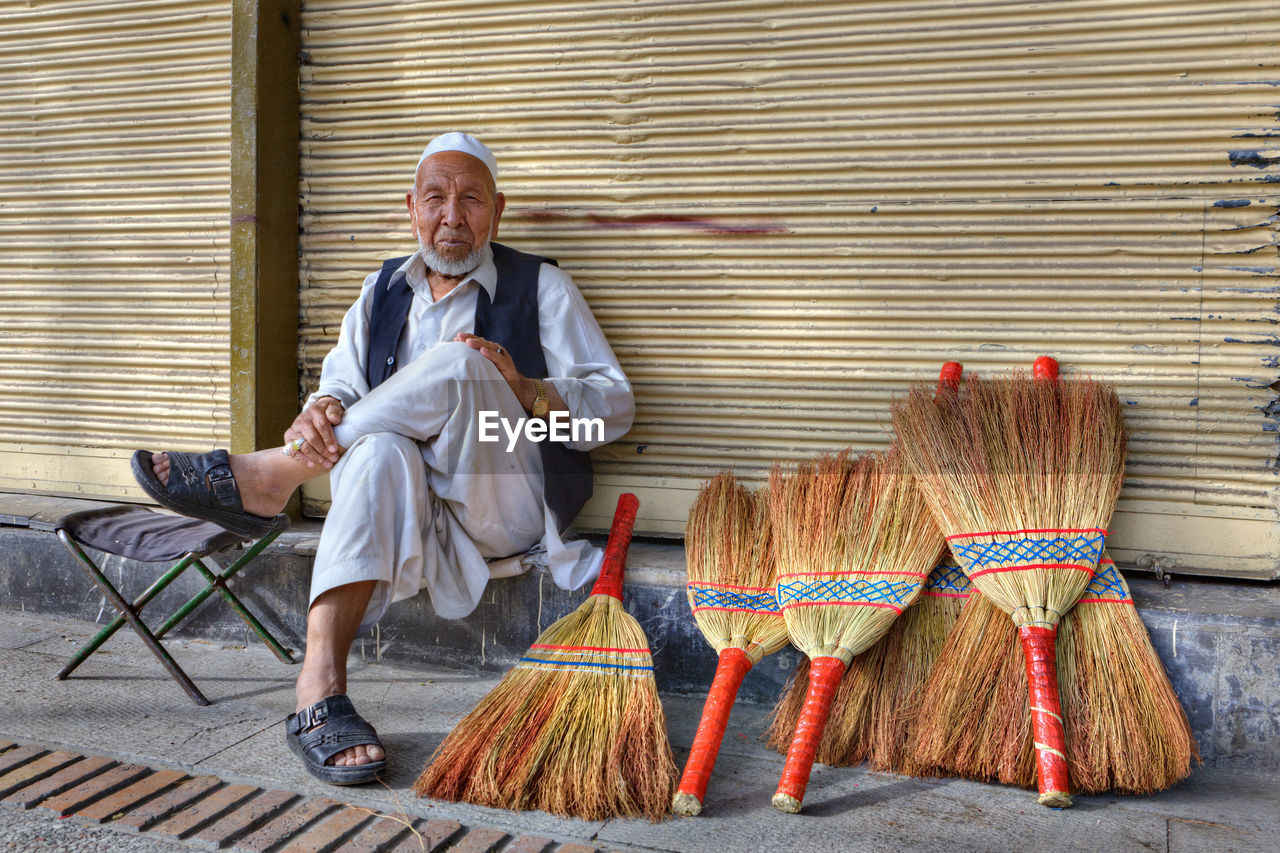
{"x": 207, "y": 812}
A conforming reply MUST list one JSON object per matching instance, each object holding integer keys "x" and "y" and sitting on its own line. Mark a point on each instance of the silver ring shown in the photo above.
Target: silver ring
{"x": 293, "y": 446}
{"x": 497, "y": 349}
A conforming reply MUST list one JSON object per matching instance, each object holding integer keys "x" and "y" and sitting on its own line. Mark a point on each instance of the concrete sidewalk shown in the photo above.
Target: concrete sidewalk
{"x": 123, "y": 705}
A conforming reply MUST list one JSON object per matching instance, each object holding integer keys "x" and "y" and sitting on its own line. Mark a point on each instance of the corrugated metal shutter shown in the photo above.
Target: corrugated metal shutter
{"x": 114, "y": 192}
{"x": 782, "y": 214}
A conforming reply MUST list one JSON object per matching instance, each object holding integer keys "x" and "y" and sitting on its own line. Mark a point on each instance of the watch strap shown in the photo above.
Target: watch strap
{"x": 540, "y": 407}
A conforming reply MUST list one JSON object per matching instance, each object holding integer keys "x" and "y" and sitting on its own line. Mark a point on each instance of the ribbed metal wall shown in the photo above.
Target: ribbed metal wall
{"x": 782, "y": 214}
{"x": 114, "y": 192}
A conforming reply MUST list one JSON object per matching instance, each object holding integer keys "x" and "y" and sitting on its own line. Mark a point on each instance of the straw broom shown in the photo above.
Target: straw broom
{"x": 874, "y": 706}
{"x": 874, "y": 713}
{"x": 854, "y": 544}
{"x": 729, "y": 552}
{"x": 1131, "y": 733}
{"x": 1125, "y": 729}
{"x": 1023, "y": 476}
{"x": 576, "y": 728}
{"x": 913, "y": 644}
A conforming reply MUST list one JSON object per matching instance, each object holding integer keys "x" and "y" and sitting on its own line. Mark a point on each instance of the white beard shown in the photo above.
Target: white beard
{"x": 444, "y": 266}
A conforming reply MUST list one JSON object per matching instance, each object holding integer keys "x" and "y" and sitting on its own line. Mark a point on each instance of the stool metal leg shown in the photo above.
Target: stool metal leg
{"x": 131, "y": 617}
{"x": 141, "y": 601}
{"x": 218, "y": 582}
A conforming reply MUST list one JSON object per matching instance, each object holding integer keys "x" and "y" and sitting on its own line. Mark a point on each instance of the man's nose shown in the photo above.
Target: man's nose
{"x": 452, "y": 214}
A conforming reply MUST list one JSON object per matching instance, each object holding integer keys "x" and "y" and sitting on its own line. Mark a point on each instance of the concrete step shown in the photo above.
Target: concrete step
{"x": 123, "y": 707}
{"x": 1219, "y": 640}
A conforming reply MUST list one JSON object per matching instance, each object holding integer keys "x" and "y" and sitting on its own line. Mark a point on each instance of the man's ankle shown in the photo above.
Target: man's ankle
{"x": 306, "y": 695}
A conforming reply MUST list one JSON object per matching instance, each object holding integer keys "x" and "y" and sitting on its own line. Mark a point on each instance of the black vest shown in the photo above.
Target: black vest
{"x": 510, "y": 319}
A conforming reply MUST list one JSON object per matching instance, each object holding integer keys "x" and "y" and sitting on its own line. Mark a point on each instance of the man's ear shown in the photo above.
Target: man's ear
{"x": 499, "y": 204}
{"x": 413, "y": 214}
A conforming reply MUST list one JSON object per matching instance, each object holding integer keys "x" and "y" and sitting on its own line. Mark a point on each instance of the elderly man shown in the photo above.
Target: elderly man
{"x": 439, "y": 350}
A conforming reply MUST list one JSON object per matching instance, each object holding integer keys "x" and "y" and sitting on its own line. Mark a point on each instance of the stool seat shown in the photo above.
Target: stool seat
{"x": 140, "y": 533}
{"x": 143, "y": 535}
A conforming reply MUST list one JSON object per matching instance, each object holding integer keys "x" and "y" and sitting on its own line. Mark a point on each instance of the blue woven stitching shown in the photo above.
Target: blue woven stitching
{"x": 1076, "y": 549}
{"x": 710, "y": 596}
{"x": 579, "y": 664}
{"x": 1106, "y": 583}
{"x": 841, "y": 590}
{"x": 948, "y": 578}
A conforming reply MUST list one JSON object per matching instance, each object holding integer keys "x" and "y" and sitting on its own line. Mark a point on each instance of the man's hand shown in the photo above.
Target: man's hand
{"x": 315, "y": 427}
{"x": 501, "y": 359}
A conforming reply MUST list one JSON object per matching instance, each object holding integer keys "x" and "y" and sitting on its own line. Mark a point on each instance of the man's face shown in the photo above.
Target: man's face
{"x": 454, "y": 208}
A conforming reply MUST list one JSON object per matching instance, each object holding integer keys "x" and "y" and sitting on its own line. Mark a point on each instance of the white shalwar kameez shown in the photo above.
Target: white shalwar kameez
{"x": 418, "y": 501}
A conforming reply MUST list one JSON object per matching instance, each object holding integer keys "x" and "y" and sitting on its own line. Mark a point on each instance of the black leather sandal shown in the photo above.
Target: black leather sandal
{"x": 320, "y": 732}
{"x": 201, "y": 486}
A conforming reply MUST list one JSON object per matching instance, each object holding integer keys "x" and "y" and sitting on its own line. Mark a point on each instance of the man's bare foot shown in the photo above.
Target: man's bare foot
{"x": 265, "y": 483}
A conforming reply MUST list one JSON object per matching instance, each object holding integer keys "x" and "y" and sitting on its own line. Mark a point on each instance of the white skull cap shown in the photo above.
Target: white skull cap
{"x": 467, "y": 144}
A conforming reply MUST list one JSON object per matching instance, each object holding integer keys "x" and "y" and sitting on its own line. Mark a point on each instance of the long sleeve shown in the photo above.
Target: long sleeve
{"x": 342, "y": 374}
{"x": 580, "y": 363}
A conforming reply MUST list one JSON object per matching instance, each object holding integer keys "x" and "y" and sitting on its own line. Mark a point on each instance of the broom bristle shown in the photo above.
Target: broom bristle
{"x": 911, "y": 648}
{"x": 530, "y": 744}
{"x": 719, "y": 535}
{"x": 805, "y": 509}
{"x": 1133, "y": 735}
{"x": 732, "y": 571}
{"x": 954, "y": 729}
{"x": 454, "y": 763}
{"x": 786, "y": 712}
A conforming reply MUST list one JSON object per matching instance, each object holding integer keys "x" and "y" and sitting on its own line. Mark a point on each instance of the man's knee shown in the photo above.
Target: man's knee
{"x": 452, "y": 360}
{"x": 347, "y": 599}
{"x": 376, "y": 463}
{"x": 384, "y": 451}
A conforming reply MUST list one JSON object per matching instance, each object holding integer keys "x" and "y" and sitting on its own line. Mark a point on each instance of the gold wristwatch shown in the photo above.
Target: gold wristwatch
{"x": 541, "y": 407}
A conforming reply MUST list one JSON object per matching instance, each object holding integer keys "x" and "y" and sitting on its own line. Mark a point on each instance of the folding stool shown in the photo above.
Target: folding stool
{"x": 138, "y": 533}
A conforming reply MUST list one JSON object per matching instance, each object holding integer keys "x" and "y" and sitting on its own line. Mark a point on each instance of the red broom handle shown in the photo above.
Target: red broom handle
{"x": 1046, "y": 715}
{"x": 824, "y": 677}
{"x": 732, "y": 668}
{"x": 615, "y": 551}
{"x": 1045, "y": 368}
{"x": 1042, "y": 680}
{"x": 949, "y": 376}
